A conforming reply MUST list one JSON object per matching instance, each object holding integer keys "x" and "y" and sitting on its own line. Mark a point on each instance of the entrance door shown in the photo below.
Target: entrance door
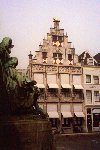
{"x": 89, "y": 123}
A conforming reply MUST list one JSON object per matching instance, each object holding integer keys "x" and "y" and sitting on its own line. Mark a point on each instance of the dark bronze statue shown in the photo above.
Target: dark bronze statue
{"x": 18, "y": 95}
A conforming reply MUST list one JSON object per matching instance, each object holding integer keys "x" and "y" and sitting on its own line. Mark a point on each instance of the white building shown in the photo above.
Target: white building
{"x": 91, "y": 76}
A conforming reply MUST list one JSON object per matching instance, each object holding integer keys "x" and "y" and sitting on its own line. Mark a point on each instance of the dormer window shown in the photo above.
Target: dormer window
{"x": 90, "y": 61}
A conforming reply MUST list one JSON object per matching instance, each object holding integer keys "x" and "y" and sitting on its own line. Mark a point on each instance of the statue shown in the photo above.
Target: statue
{"x": 18, "y": 94}
{"x": 23, "y": 124}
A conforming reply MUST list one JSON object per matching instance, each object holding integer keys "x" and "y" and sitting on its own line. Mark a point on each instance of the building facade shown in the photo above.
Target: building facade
{"x": 92, "y": 97}
{"x": 59, "y": 76}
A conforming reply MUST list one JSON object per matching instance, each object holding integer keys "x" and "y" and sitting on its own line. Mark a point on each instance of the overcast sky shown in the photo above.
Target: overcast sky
{"x": 28, "y": 21}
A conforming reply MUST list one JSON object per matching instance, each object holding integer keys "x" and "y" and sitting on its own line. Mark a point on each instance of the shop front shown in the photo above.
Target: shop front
{"x": 66, "y": 118}
{"x": 96, "y": 119}
{"x": 78, "y": 118}
{"x": 52, "y": 110}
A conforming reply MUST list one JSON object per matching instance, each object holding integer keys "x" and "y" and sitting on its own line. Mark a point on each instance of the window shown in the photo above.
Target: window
{"x": 96, "y": 96}
{"x": 60, "y": 38}
{"x": 70, "y": 57}
{"x": 96, "y": 79}
{"x": 57, "y": 58}
{"x": 90, "y": 61}
{"x": 66, "y": 122}
{"x": 54, "y": 55}
{"x": 88, "y": 78}
{"x": 66, "y": 92}
{"x": 59, "y": 55}
{"x": 96, "y": 119}
{"x": 89, "y": 96}
{"x": 89, "y": 111}
{"x": 54, "y": 38}
{"x": 44, "y": 54}
{"x": 53, "y": 92}
{"x": 53, "y": 122}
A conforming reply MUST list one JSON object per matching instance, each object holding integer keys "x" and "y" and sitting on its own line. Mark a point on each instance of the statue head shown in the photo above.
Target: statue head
{"x": 7, "y": 44}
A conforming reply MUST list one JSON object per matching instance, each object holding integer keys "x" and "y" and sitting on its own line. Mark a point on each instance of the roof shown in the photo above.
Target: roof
{"x": 97, "y": 58}
{"x": 85, "y": 56}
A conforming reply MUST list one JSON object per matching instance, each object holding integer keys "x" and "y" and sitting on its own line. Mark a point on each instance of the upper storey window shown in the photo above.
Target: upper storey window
{"x": 60, "y": 38}
{"x": 57, "y": 58}
{"x": 57, "y": 55}
{"x": 44, "y": 55}
{"x": 70, "y": 57}
{"x": 96, "y": 79}
{"x": 89, "y": 96}
{"x": 88, "y": 78}
{"x": 54, "y": 55}
{"x": 54, "y": 38}
{"x": 57, "y": 38}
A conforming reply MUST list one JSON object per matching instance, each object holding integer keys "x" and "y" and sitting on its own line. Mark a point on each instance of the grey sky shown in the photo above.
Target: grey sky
{"x": 28, "y": 21}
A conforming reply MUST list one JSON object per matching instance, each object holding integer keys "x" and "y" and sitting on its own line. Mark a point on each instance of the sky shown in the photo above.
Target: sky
{"x": 27, "y": 22}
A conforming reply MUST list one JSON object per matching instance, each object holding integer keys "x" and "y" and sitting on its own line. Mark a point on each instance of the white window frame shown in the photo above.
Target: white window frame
{"x": 96, "y": 79}
{"x": 89, "y": 99}
{"x": 96, "y": 96}
{"x": 88, "y": 78}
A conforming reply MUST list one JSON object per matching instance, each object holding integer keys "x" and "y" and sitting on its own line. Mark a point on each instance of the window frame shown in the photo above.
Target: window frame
{"x": 91, "y": 96}
{"x": 96, "y": 96}
{"x": 95, "y": 79}
{"x": 88, "y": 78}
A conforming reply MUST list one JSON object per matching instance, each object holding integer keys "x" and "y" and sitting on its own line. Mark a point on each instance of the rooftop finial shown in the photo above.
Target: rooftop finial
{"x": 55, "y": 19}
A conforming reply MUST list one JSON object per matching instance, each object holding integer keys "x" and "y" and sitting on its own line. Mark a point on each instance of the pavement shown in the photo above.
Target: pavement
{"x": 77, "y": 141}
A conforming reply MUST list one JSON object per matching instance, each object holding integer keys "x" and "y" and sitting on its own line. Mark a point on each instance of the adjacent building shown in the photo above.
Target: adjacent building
{"x": 91, "y": 77}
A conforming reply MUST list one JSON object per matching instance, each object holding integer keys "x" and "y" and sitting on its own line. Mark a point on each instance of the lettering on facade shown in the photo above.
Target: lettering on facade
{"x": 92, "y": 86}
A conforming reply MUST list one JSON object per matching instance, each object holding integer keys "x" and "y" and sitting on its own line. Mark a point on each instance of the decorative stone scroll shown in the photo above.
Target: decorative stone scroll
{"x": 51, "y": 68}
{"x": 38, "y": 68}
{"x": 64, "y": 69}
{"x": 70, "y": 69}
{"x": 76, "y": 70}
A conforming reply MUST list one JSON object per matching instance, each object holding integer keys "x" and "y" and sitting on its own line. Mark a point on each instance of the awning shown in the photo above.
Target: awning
{"x": 53, "y": 114}
{"x": 67, "y": 86}
{"x": 78, "y": 86}
{"x": 66, "y": 114}
{"x": 53, "y": 86}
{"x": 40, "y": 85}
{"x": 79, "y": 114}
